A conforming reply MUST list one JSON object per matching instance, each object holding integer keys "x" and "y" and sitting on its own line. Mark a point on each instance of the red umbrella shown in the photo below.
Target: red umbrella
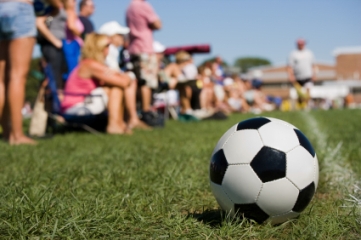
{"x": 201, "y": 48}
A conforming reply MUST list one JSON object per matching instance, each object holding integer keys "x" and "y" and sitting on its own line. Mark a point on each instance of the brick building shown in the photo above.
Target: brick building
{"x": 348, "y": 63}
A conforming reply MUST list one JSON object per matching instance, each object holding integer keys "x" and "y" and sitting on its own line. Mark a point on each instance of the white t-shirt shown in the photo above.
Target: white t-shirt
{"x": 301, "y": 61}
{"x": 189, "y": 72}
{"x": 112, "y": 60}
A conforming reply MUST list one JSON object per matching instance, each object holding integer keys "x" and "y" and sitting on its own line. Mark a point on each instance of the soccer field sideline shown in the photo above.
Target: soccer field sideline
{"x": 341, "y": 175}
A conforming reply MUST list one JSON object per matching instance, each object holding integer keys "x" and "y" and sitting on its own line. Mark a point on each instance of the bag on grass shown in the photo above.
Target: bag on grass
{"x": 40, "y": 116}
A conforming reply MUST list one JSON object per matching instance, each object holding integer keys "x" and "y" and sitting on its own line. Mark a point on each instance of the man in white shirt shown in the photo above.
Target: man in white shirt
{"x": 301, "y": 66}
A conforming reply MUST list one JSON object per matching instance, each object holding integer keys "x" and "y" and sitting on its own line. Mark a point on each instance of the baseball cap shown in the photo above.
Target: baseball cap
{"x": 112, "y": 28}
{"x": 158, "y": 47}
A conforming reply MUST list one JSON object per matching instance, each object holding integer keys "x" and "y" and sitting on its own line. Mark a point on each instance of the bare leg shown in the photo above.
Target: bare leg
{"x": 4, "y": 115}
{"x": 185, "y": 93}
{"x": 130, "y": 106}
{"x": 146, "y": 98}
{"x": 20, "y": 51}
{"x": 116, "y": 123}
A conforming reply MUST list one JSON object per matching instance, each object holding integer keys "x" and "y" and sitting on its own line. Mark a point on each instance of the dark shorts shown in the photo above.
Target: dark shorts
{"x": 145, "y": 68}
{"x": 303, "y": 82}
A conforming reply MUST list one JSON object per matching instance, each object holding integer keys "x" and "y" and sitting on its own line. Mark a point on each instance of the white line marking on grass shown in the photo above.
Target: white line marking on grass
{"x": 337, "y": 172}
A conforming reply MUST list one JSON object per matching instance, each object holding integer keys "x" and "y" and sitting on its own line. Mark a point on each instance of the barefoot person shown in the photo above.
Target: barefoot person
{"x": 93, "y": 77}
{"x": 17, "y": 32}
{"x": 116, "y": 33}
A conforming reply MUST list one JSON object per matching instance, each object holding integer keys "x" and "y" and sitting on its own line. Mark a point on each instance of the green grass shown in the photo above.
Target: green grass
{"x": 154, "y": 185}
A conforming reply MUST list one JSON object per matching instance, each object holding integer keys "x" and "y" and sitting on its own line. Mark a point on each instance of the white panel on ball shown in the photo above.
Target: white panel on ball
{"x": 281, "y": 122}
{"x": 242, "y": 146}
{"x": 283, "y": 218}
{"x": 300, "y": 167}
{"x": 241, "y": 184}
{"x": 223, "y": 200}
{"x": 279, "y": 136}
{"x": 317, "y": 171}
{"x": 278, "y": 197}
{"x": 224, "y": 138}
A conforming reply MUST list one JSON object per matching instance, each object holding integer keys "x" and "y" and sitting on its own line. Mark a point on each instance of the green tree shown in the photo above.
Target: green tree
{"x": 246, "y": 63}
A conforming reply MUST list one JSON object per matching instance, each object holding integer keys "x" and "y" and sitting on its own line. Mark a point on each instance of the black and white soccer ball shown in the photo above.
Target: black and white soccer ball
{"x": 264, "y": 169}
{"x": 42, "y": 7}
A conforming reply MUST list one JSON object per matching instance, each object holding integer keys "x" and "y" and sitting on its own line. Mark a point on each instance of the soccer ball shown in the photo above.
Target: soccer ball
{"x": 42, "y": 7}
{"x": 264, "y": 169}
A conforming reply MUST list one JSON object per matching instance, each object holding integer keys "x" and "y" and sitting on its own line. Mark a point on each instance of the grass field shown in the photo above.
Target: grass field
{"x": 154, "y": 185}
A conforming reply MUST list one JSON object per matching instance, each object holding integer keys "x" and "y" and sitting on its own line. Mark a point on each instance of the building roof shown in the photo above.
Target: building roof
{"x": 347, "y": 50}
{"x": 278, "y": 74}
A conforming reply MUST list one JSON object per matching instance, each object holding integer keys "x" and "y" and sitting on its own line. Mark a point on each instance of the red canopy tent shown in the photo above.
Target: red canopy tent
{"x": 201, "y": 48}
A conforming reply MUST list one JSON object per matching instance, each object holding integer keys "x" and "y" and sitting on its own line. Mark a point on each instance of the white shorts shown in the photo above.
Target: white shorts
{"x": 236, "y": 104}
{"x": 219, "y": 92}
{"x": 94, "y": 104}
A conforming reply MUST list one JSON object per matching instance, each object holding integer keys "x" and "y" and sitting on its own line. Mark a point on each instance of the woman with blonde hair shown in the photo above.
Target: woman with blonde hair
{"x": 93, "y": 77}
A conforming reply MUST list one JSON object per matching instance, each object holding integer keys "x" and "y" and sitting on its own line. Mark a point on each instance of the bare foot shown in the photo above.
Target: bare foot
{"x": 137, "y": 124}
{"x": 23, "y": 140}
{"x": 118, "y": 130}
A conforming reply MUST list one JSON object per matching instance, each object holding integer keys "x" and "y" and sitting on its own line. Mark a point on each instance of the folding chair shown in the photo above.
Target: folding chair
{"x": 89, "y": 122}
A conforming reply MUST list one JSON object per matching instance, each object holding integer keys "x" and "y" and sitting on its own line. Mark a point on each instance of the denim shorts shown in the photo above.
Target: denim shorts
{"x": 17, "y": 20}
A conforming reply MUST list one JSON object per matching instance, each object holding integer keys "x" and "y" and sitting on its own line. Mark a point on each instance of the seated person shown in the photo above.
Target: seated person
{"x": 183, "y": 73}
{"x": 256, "y": 98}
{"x": 234, "y": 94}
{"x": 93, "y": 77}
{"x": 116, "y": 33}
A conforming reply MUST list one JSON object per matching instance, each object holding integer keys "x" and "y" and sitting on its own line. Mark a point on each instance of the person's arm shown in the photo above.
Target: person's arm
{"x": 44, "y": 30}
{"x": 291, "y": 75}
{"x": 72, "y": 22}
{"x": 314, "y": 68}
{"x": 153, "y": 20}
{"x": 108, "y": 76}
{"x": 156, "y": 25}
{"x": 314, "y": 72}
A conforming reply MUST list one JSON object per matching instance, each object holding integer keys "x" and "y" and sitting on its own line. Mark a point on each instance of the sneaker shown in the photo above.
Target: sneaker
{"x": 152, "y": 119}
{"x": 202, "y": 113}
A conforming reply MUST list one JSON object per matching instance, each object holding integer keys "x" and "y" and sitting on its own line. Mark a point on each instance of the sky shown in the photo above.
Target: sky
{"x": 257, "y": 28}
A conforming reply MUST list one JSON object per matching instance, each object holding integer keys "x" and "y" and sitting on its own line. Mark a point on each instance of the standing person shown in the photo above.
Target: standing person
{"x": 17, "y": 39}
{"x": 142, "y": 21}
{"x": 74, "y": 27}
{"x": 86, "y": 9}
{"x": 301, "y": 68}
{"x": 51, "y": 29}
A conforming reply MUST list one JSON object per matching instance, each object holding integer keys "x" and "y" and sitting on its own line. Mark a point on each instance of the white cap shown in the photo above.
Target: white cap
{"x": 158, "y": 47}
{"x": 112, "y": 28}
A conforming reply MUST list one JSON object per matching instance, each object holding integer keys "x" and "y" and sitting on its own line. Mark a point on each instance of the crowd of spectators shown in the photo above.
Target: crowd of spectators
{"x": 121, "y": 64}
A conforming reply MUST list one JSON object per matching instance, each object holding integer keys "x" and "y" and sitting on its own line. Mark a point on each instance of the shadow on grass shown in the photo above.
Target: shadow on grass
{"x": 213, "y": 218}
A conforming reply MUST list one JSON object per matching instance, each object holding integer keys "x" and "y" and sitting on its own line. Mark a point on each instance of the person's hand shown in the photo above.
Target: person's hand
{"x": 58, "y": 44}
{"x": 313, "y": 78}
